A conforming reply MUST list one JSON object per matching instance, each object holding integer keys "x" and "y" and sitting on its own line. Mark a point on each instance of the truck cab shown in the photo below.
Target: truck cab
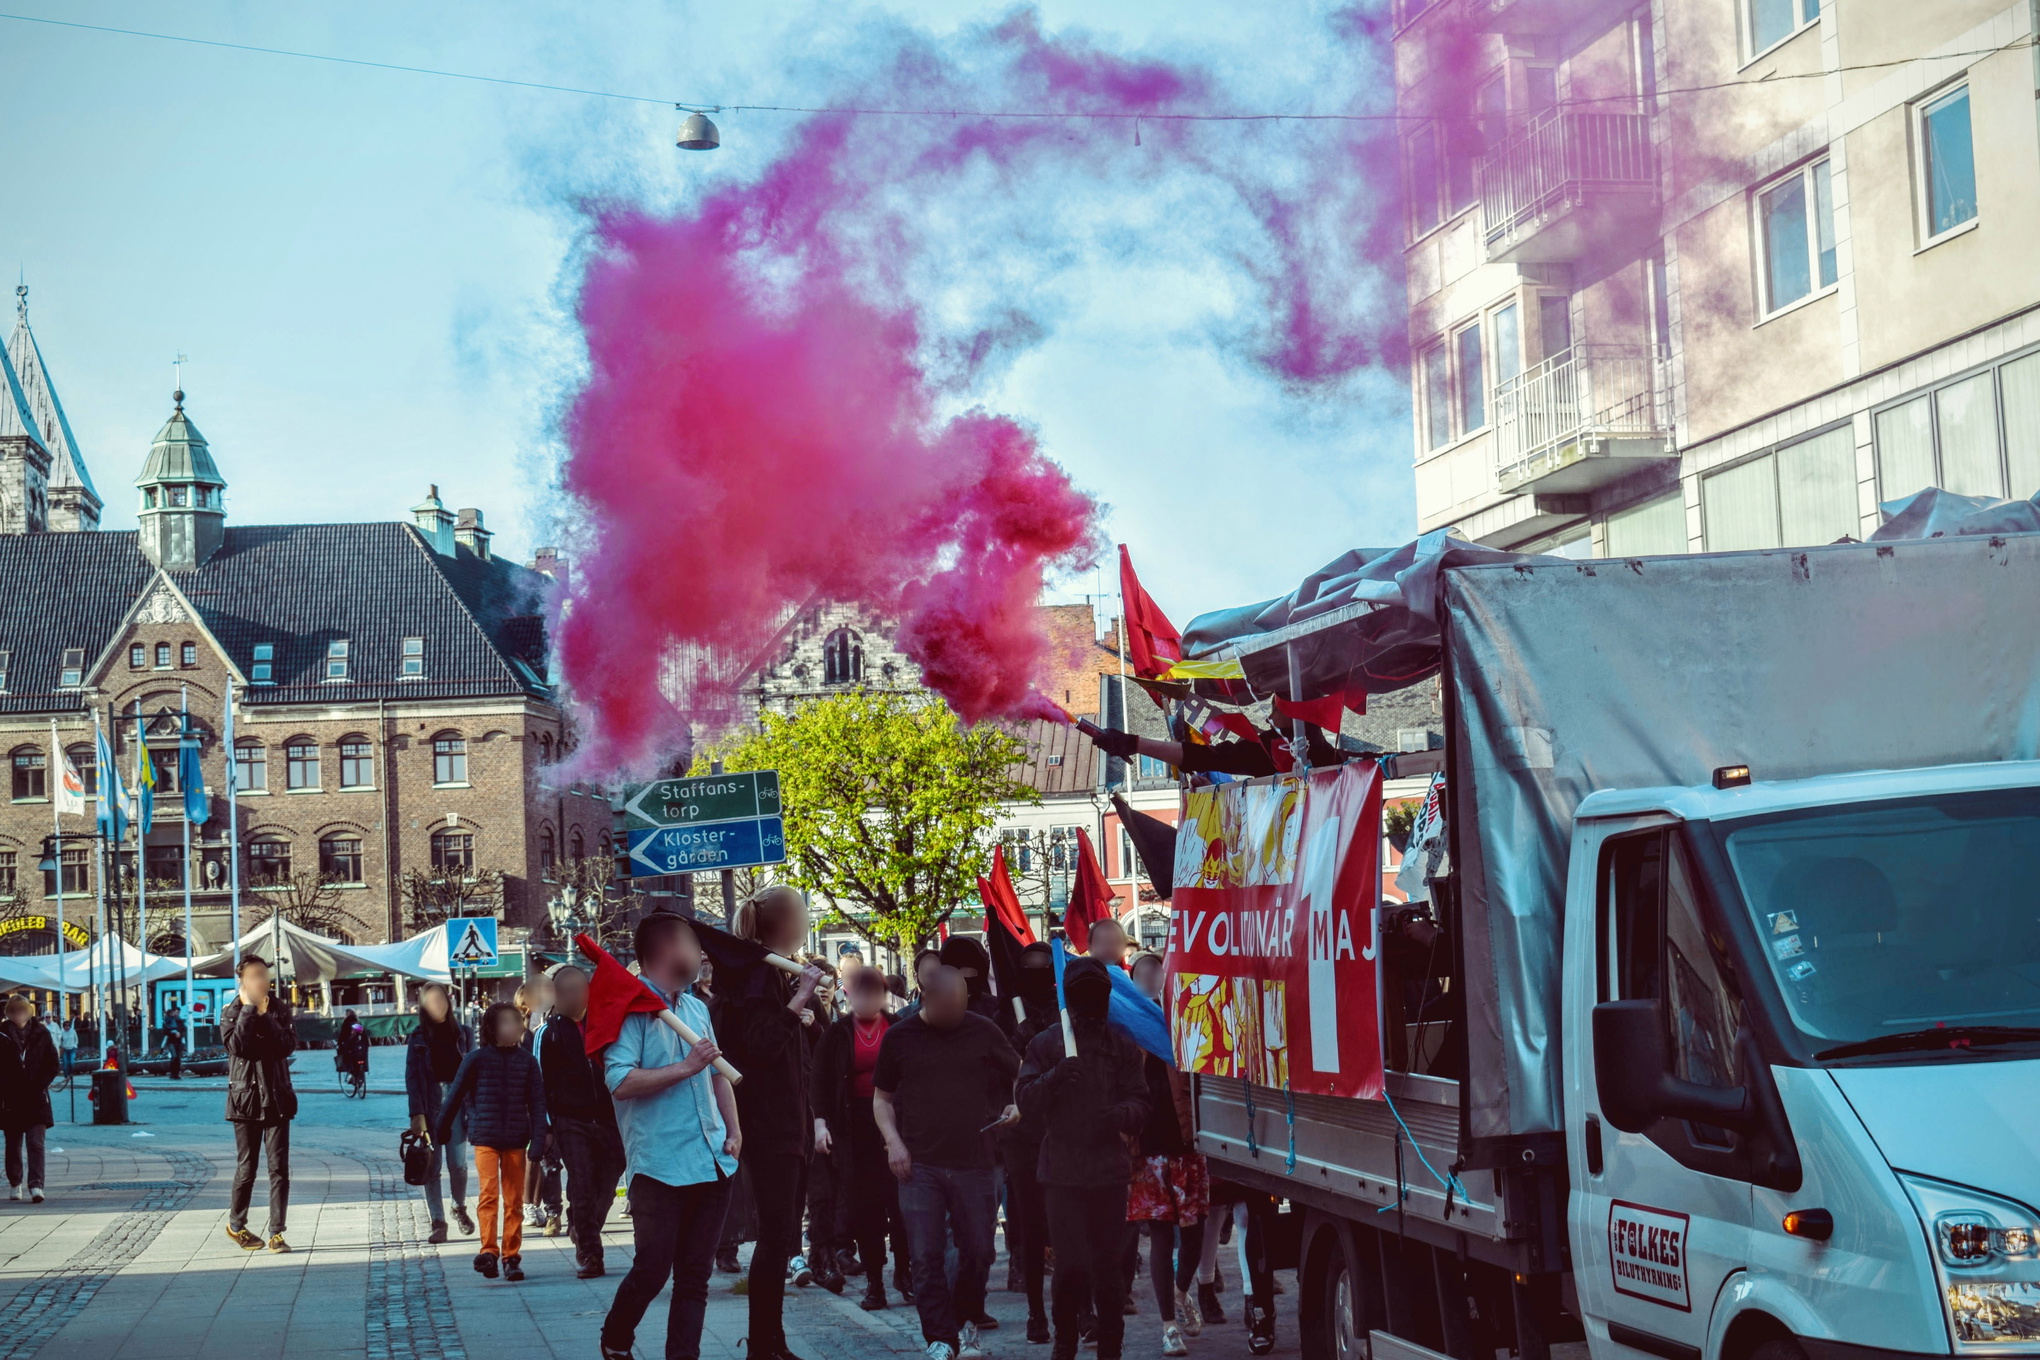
{"x": 1802, "y": 1055}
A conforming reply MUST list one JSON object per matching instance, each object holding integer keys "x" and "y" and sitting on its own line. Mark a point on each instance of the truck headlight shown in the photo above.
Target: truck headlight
{"x": 1987, "y": 1257}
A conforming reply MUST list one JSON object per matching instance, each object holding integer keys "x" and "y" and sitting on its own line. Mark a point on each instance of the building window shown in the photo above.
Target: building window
{"x": 148, "y": 498}
{"x": 301, "y": 763}
{"x": 1773, "y": 21}
{"x": 1127, "y": 858}
{"x": 138, "y": 657}
{"x": 1554, "y": 324}
{"x": 1798, "y": 496}
{"x": 77, "y": 870}
{"x": 357, "y": 763}
{"x": 1472, "y": 389}
{"x": 576, "y": 847}
{"x": 1508, "y": 333}
{"x": 842, "y": 658}
{"x": 6, "y": 665}
{"x": 1651, "y": 529}
{"x": 1796, "y": 221}
{"x": 263, "y": 672}
{"x": 449, "y": 758}
{"x": 268, "y": 861}
{"x": 547, "y": 853}
{"x": 29, "y": 769}
{"x": 1420, "y": 155}
{"x": 72, "y": 673}
{"x": 1948, "y": 162}
{"x": 251, "y": 766}
{"x": 413, "y": 666}
{"x": 162, "y": 656}
{"x": 165, "y": 763}
{"x": 177, "y": 496}
{"x": 1151, "y": 768}
{"x": 340, "y": 859}
{"x": 453, "y": 852}
{"x": 188, "y": 655}
{"x": 86, "y": 762}
{"x": 1437, "y": 397}
{"x": 336, "y": 659}
{"x": 7, "y": 888}
{"x": 545, "y": 749}
{"x": 1977, "y": 435}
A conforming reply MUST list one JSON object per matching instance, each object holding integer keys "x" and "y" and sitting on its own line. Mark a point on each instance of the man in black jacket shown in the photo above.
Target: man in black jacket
{"x": 1084, "y": 1104}
{"x": 28, "y": 1064}
{"x": 260, "y": 1102}
{"x": 583, "y": 1119}
{"x": 1020, "y": 1147}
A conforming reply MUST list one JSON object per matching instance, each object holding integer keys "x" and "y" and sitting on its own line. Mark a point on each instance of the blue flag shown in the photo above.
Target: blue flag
{"x": 112, "y": 797}
{"x": 1132, "y": 1014}
{"x": 191, "y": 778}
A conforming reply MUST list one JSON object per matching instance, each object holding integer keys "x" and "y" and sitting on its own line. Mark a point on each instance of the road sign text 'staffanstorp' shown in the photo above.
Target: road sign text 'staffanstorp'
{"x": 717, "y": 821}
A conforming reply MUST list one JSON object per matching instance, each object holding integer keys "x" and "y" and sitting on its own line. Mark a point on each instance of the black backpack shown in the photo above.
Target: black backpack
{"x": 416, "y": 1150}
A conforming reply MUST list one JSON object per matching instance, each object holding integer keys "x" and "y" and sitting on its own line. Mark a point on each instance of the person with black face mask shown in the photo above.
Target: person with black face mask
{"x": 1085, "y": 1103}
{"x": 1020, "y": 1146}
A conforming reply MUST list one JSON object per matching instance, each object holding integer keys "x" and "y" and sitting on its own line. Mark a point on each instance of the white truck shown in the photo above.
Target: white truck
{"x": 1731, "y": 1049}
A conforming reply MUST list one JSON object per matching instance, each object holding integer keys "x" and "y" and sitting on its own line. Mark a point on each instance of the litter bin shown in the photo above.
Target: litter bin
{"x": 109, "y": 1096}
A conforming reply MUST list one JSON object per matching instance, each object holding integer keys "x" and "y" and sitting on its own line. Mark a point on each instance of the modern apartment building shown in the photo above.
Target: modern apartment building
{"x": 1717, "y": 274}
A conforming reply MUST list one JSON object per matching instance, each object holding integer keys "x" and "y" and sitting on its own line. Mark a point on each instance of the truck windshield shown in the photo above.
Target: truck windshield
{"x": 1885, "y": 919}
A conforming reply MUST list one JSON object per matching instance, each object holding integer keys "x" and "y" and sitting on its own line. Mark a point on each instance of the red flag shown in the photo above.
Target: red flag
{"x": 1002, "y": 900}
{"x": 1091, "y": 899}
{"x": 1152, "y": 642}
{"x": 613, "y": 993}
{"x": 1327, "y": 712}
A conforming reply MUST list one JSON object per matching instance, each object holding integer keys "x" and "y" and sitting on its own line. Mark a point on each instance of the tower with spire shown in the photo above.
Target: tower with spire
{"x": 183, "y": 511}
{"x": 68, "y": 499}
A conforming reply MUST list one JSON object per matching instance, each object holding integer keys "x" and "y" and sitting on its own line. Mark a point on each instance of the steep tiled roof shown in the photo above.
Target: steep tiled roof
{"x": 15, "y": 417}
{"x": 67, "y": 464}
{"x": 1060, "y": 760}
{"x": 296, "y": 586}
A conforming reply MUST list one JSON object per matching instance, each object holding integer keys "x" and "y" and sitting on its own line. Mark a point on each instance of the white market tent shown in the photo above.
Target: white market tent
{"x": 311, "y": 957}
{"x": 107, "y": 960}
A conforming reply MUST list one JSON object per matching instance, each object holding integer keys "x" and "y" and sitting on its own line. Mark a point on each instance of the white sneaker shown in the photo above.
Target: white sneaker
{"x": 1172, "y": 1340}
{"x": 14, "y": 1192}
{"x": 798, "y": 1273}
{"x": 1186, "y": 1313}
{"x": 939, "y": 1350}
{"x": 972, "y": 1348}
{"x": 36, "y": 1194}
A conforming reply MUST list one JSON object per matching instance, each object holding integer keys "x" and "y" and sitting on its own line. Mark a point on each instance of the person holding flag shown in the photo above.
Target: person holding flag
{"x": 681, "y": 1132}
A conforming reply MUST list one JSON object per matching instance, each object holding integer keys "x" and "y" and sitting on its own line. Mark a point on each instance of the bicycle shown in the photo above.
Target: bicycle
{"x": 353, "y": 1080}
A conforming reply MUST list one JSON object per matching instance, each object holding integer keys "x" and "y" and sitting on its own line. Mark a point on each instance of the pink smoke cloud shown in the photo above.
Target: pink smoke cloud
{"x": 771, "y": 414}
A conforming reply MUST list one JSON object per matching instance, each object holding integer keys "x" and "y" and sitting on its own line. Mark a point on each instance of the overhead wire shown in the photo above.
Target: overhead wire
{"x": 880, "y": 111}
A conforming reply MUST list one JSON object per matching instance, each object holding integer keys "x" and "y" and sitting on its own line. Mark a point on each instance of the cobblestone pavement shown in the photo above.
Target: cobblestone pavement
{"x": 129, "y": 1260}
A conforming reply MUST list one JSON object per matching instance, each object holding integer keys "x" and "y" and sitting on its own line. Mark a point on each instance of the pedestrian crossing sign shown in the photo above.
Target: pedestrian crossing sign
{"x": 471, "y": 941}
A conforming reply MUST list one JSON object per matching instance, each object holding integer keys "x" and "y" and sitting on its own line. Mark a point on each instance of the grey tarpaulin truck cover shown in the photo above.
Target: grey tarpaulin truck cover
{"x": 1564, "y": 677}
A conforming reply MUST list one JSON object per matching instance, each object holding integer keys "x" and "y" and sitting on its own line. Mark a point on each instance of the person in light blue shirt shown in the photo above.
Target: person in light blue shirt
{"x": 678, "y": 1117}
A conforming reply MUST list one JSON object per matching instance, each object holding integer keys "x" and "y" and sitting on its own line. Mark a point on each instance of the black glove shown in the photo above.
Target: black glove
{"x": 1067, "y": 1072}
{"x": 1113, "y": 742}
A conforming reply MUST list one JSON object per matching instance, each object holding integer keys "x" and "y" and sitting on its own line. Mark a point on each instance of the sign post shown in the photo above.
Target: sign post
{"x": 470, "y": 944}
{"x": 716, "y": 821}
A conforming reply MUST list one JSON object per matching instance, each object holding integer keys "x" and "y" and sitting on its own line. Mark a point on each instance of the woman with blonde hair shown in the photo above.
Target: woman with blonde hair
{"x": 768, "y": 1044}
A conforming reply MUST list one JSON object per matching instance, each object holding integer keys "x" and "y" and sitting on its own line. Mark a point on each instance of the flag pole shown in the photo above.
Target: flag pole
{"x": 109, "y": 813}
{"x": 59, "y": 766}
{"x": 142, "y": 861}
{"x": 184, "y": 698}
{"x": 233, "y": 828}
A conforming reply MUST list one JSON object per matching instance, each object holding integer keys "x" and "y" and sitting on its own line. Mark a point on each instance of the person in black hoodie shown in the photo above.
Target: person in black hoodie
{"x": 1084, "y": 1104}
{"x": 848, "y": 1134}
{"x": 1020, "y": 1146}
{"x": 430, "y": 1062}
{"x": 583, "y": 1120}
{"x": 767, "y": 1042}
{"x": 28, "y": 1064}
{"x": 502, "y": 1092}
{"x": 260, "y": 1102}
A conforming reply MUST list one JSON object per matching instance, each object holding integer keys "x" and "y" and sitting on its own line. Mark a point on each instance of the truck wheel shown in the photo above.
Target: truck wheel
{"x": 1341, "y": 1309}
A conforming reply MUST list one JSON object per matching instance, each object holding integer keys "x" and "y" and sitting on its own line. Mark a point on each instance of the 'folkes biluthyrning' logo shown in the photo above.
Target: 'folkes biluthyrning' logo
{"x": 1647, "y": 1254}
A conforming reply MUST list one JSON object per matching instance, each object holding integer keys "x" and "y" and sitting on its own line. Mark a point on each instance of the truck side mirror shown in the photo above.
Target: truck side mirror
{"x": 1635, "y": 1081}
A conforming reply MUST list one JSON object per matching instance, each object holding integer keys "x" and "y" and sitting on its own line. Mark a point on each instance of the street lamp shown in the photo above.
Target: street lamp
{"x": 698, "y": 133}
{"x": 563, "y": 911}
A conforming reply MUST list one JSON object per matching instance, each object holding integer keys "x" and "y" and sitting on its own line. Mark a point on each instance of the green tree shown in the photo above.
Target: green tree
{"x": 887, "y": 800}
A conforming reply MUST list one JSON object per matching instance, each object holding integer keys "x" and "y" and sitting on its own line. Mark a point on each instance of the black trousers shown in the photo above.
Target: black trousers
{"x": 675, "y": 1228}
{"x": 593, "y": 1154}
{"x": 1087, "y": 1226}
{"x": 1027, "y": 1226}
{"x": 779, "y": 1190}
{"x": 823, "y": 1188}
{"x": 1165, "y": 1272}
{"x": 273, "y": 1143}
{"x": 870, "y": 1193}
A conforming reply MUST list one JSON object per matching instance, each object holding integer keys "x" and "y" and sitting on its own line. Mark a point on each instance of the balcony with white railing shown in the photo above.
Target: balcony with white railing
{"x": 1583, "y": 419}
{"x": 1569, "y": 184}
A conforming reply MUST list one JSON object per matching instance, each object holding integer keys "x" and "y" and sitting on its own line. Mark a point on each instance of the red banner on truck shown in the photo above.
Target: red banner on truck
{"x": 1271, "y": 968}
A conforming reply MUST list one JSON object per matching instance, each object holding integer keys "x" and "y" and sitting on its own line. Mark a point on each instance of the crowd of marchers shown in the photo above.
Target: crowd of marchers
{"x": 891, "y": 1121}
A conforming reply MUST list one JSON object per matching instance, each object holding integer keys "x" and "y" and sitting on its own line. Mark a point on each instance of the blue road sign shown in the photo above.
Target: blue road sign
{"x": 471, "y": 941}
{"x": 716, "y": 845}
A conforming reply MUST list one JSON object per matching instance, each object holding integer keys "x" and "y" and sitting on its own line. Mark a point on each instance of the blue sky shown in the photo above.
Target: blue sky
{"x": 372, "y": 271}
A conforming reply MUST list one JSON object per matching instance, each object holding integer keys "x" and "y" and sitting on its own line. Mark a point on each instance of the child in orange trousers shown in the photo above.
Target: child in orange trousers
{"x": 500, "y": 1087}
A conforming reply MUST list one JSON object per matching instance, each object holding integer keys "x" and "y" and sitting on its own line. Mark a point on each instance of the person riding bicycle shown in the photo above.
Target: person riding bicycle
{"x": 352, "y": 1055}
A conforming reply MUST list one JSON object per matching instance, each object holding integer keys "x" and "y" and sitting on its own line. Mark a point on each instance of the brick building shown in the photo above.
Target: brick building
{"x": 391, "y": 705}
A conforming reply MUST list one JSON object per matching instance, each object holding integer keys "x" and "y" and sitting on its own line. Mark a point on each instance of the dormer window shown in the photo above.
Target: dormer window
{"x": 336, "y": 659}
{"x": 263, "y": 672}
{"x": 72, "y": 673}
{"x": 6, "y": 665}
{"x": 177, "y": 496}
{"x": 414, "y": 659}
